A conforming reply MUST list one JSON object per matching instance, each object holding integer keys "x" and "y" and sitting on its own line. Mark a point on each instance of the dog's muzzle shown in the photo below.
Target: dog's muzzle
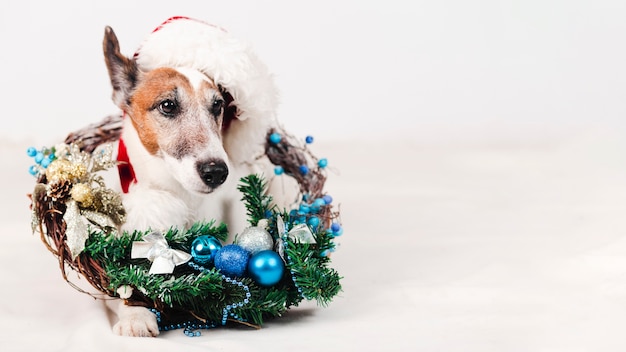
{"x": 213, "y": 172}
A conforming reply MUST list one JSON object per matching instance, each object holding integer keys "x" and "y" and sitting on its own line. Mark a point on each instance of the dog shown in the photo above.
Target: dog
{"x": 191, "y": 129}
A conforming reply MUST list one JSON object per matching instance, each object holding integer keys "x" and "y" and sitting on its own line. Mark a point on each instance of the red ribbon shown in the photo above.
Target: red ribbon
{"x": 124, "y": 167}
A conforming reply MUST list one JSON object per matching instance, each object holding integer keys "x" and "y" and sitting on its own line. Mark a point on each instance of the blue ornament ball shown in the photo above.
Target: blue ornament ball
{"x": 204, "y": 248}
{"x": 266, "y": 268}
{"x": 232, "y": 260}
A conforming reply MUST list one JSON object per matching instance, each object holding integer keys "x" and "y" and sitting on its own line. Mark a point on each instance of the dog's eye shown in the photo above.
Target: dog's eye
{"x": 216, "y": 107}
{"x": 168, "y": 108}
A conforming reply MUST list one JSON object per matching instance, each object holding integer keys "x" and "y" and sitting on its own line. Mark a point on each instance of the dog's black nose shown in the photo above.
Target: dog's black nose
{"x": 213, "y": 172}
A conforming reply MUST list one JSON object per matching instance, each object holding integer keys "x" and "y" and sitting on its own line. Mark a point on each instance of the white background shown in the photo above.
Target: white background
{"x": 346, "y": 69}
{"x": 476, "y": 149}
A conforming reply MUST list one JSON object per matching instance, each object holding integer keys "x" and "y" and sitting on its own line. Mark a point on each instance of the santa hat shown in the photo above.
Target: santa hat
{"x": 231, "y": 63}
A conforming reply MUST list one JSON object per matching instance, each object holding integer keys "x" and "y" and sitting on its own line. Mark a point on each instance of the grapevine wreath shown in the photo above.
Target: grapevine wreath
{"x": 190, "y": 278}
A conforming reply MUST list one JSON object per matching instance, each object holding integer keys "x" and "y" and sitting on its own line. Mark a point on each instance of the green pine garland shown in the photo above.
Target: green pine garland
{"x": 204, "y": 295}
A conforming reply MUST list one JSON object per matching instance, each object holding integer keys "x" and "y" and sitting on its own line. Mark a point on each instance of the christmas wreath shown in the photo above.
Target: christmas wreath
{"x": 189, "y": 277}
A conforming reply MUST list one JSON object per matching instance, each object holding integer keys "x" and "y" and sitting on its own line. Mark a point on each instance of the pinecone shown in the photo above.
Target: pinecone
{"x": 59, "y": 189}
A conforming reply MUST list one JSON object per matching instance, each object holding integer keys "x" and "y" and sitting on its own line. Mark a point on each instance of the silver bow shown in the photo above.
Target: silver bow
{"x": 300, "y": 233}
{"x": 164, "y": 259}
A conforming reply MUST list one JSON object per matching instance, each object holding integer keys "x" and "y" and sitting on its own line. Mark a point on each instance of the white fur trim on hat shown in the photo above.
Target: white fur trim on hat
{"x": 231, "y": 63}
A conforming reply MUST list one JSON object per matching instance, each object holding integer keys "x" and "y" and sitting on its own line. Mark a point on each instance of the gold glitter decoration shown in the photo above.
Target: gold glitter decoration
{"x": 59, "y": 170}
{"x": 92, "y": 205}
{"x": 100, "y": 220}
{"x": 83, "y": 195}
{"x": 109, "y": 202}
{"x": 78, "y": 171}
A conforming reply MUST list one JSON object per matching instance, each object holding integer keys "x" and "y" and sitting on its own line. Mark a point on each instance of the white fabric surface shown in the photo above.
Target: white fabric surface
{"x": 483, "y": 246}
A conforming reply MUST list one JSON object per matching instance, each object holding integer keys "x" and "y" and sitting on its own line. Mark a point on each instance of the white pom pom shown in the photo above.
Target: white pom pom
{"x": 125, "y": 291}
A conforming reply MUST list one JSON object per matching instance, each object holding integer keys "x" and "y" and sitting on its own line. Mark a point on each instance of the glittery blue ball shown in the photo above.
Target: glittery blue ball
{"x": 31, "y": 152}
{"x": 308, "y": 139}
{"x": 204, "y": 248}
{"x": 266, "y": 268}
{"x": 275, "y": 138}
{"x": 322, "y": 163}
{"x": 232, "y": 260}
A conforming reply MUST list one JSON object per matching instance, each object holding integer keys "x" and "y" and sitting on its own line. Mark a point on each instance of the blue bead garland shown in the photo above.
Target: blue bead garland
{"x": 290, "y": 262}
{"x": 226, "y": 311}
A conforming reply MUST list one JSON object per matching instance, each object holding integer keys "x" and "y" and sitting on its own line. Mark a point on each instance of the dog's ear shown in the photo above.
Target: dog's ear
{"x": 122, "y": 70}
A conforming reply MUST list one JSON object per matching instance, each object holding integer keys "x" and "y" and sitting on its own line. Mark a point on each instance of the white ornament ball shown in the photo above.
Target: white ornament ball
{"x": 255, "y": 239}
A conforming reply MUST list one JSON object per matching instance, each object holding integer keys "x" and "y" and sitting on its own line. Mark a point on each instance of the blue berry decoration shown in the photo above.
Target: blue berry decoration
{"x": 275, "y": 138}
{"x": 336, "y": 229}
{"x": 278, "y": 170}
{"x": 204, "y": 248}
{"x": 304, "y": 169}
{"x": 266, "y": 268}
{"x": 322, "y": 163}
{"x": 232, "y": 260}
{"x": 308, "y": 139}
{"x": 31, "y": 151}
{"x": 33, "y": 170}
{"x": 314, "y": 221}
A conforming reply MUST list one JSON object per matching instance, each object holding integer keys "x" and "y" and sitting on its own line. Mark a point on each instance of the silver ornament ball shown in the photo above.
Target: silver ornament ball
{"x": 255, "y": 239}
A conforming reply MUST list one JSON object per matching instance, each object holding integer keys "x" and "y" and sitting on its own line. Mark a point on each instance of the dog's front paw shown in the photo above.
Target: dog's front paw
{"x": 136, "y": 321}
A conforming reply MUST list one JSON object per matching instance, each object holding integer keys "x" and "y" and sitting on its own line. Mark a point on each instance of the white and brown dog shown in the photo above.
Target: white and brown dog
{"x": 197, "y": 104}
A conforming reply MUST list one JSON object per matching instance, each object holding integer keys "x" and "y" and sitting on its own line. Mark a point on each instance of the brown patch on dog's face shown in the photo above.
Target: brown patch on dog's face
{"x": 174, "y": 116}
